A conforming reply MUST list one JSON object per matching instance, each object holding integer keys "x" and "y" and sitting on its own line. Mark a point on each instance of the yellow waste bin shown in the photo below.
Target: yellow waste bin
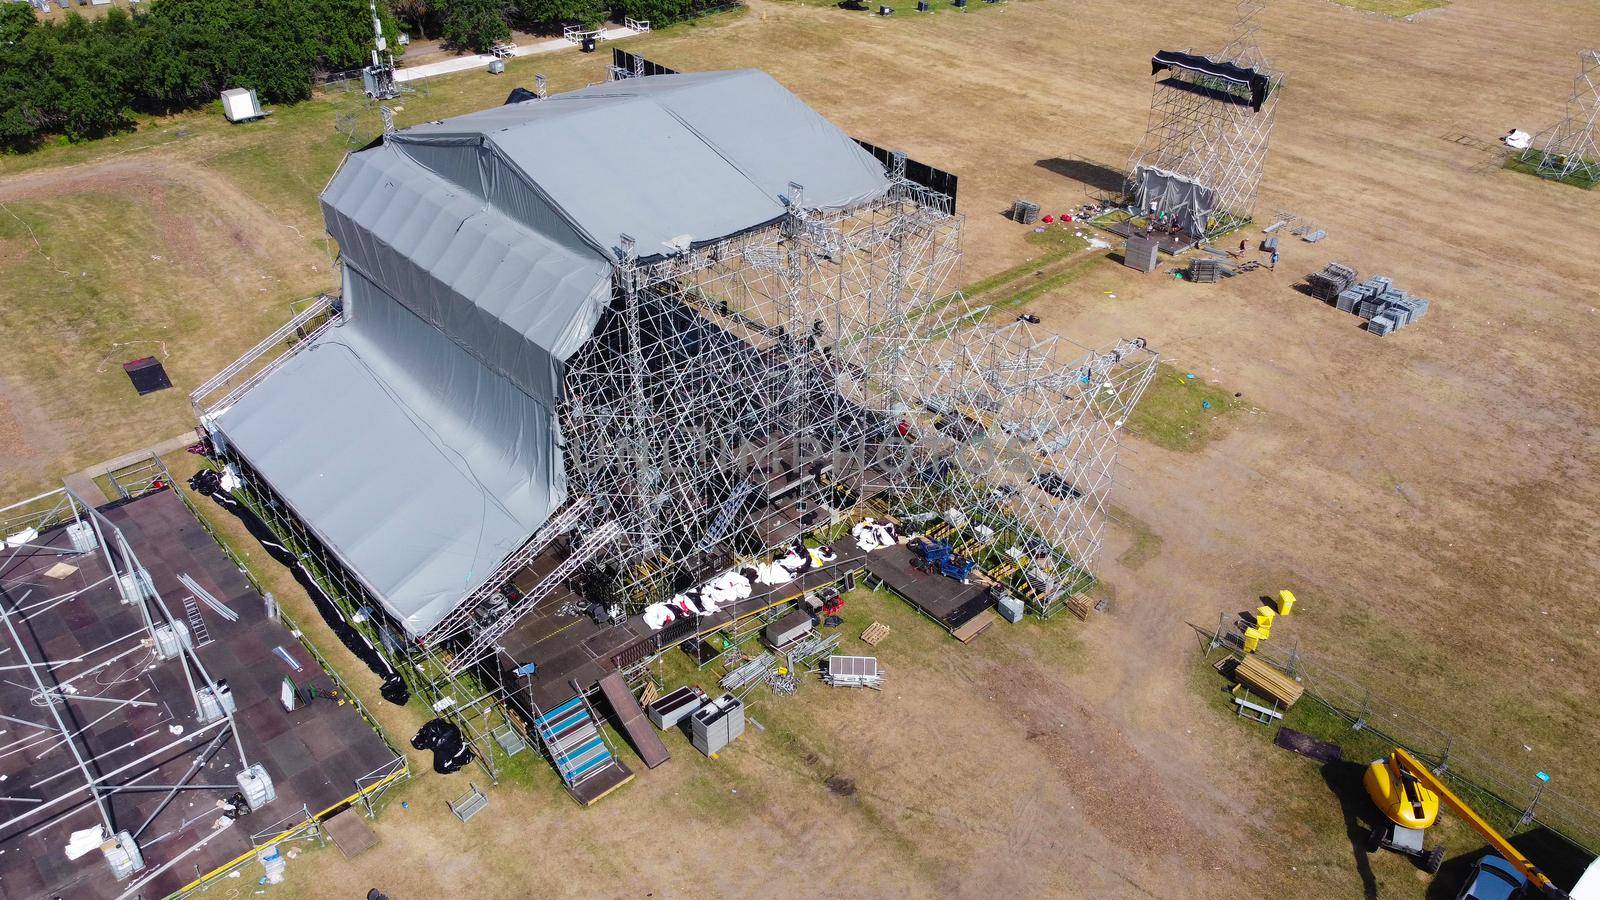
{"x": 1264, "y": 619}
{"x": 1285, "y": 602}
{"x": 1252, "y": 639}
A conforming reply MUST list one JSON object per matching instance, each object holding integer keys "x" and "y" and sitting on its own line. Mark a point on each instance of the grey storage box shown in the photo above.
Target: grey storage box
{"x": 1009, "y": 607}
{"x": 788, "y": 629}
{"x": 1141, "y": 253}
{"x": 714, "y": 725}
{"x": 675, "y": 706}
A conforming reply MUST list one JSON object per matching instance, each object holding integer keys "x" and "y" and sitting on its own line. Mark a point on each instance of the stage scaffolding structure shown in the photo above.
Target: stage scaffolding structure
{"x": 739, "y": 395}
{"x": 159, "y": 638}
{"x": 1020, "y": 458}
{"x": 744, "y": 392}
{"x": 1204, "y": 130}
{"x": 1568, "y": 149}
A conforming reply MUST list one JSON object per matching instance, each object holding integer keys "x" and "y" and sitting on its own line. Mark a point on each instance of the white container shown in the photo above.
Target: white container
{"x": 241, "y": 105}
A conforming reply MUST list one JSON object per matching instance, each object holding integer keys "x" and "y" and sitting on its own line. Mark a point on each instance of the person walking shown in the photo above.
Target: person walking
{"x": 1274, "y": 264}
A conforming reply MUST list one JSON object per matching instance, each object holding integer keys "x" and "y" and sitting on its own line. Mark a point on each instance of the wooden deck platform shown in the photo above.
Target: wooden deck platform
{"x": 1170, "y": 244}
{"x": 945, "y": 600}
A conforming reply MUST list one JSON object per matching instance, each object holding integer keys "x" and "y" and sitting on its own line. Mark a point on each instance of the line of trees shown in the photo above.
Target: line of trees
{"x": 84, "y": 79}
{"x": 87, "y": 78}
{"x": 478, "y": 24}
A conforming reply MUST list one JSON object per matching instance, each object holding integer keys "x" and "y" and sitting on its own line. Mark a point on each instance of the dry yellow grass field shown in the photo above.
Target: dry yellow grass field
{"x": 1429, "y": 495}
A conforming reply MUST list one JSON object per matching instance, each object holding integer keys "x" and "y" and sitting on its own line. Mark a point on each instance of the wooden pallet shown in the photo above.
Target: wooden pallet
{"x": 1080, "y": 605}
{"x": 975, "y": 626}
{"x": 1268, "y": 681}
{"x": 875, "y": 634}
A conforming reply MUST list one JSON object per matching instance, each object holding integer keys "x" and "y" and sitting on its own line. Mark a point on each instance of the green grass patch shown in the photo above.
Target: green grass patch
{"x": 1055, "y": 244}
{"x": 1341, "y": 785}
{"x": 1146, "y": 543}
{"x": 1396, "y": 8}
{"x": 1180, "y": 412}
{"x": 1577, "y": 179}
{"x": 1044, "y": 285}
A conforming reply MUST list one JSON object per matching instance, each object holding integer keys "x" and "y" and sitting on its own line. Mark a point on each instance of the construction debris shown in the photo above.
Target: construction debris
{"x": 783, "y": 684}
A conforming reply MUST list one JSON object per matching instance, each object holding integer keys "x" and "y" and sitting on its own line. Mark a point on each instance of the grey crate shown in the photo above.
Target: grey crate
{"x": 1380, "y": 325}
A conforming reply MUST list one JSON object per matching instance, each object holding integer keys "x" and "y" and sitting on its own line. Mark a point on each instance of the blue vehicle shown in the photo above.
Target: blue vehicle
{"x": 1493, "y": 878}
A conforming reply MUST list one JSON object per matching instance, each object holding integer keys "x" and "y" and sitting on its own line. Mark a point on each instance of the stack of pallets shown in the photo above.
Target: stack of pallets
{"x": 1385, "y": 307}
{"x": 1266, "y": 680}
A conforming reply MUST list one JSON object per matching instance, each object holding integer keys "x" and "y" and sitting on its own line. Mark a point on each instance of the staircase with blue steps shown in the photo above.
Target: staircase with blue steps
{"x": 572, "y": 739}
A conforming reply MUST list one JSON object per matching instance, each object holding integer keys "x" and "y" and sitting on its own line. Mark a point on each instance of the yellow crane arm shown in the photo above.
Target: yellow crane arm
{"x": 1412, "y": 766}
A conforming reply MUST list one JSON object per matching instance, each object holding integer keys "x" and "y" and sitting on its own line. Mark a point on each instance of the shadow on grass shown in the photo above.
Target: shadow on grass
{"x": 1344, "y": 782}
{"x": 1093, "y": 175}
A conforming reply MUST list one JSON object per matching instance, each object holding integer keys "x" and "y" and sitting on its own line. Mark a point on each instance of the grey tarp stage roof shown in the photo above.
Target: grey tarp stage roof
{"x": 418, "y": 439}
{"x": 419, "y": 468}
{"x": 705, "y": 154}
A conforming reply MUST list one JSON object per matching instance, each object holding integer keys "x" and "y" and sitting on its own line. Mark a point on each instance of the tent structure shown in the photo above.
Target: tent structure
{"x": 418, "y": 437}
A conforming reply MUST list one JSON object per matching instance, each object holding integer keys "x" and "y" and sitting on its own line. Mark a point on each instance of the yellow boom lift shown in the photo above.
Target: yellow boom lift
{"x": 1409, "y": 796}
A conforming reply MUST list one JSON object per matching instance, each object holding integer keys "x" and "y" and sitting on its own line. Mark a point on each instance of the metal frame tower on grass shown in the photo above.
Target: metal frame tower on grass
{"x": 1204, "y": 129}
{"x": 741, "y": 393}
{"x": 1568, "y": 149}
{"x": 1019, "y": 457}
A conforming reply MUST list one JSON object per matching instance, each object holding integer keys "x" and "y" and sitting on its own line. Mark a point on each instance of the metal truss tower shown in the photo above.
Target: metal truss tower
{"x": 740, "y": 393}
{"x": 1204, "y": 130}
{"x": 1567, "y": 149}
{"x": 1020, "y": 457}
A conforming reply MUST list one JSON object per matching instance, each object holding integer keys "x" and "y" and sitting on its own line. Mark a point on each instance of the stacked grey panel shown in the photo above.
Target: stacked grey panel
{"x": 1385, "y": 307}
{"x": 1024, "y": 212}
{"x": 1333, "y": 280}
{"x": 1142, "y": 253}
{"x": 1205, "y": 271}
{"x": 713, "y": 726}
{"x": 676, "y": 706}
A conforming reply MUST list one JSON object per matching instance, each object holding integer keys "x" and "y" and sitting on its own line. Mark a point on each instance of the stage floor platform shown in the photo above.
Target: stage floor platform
{"x": 945, "y": 600}
{"x": 573, "y": 653}
{"x": 141, "y": 727}
{"x": 1170, "y": 244}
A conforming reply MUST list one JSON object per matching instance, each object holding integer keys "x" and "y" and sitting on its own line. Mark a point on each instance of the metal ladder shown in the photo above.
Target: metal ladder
{"x": 199, "y": 635}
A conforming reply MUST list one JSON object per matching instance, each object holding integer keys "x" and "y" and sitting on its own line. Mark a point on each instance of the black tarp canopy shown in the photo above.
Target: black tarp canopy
{"x": 1257, "y": 82}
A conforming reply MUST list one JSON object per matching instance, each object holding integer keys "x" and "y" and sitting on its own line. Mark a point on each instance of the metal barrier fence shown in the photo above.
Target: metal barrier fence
{"x": 1365, "y": 720}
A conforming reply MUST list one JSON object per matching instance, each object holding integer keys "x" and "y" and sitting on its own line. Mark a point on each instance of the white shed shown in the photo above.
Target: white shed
{"x": 241, "y": 105}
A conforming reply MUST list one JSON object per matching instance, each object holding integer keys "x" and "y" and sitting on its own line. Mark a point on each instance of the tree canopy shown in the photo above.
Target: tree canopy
{"x": 474, "y": 25}
{"x": 85, "y": 79}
